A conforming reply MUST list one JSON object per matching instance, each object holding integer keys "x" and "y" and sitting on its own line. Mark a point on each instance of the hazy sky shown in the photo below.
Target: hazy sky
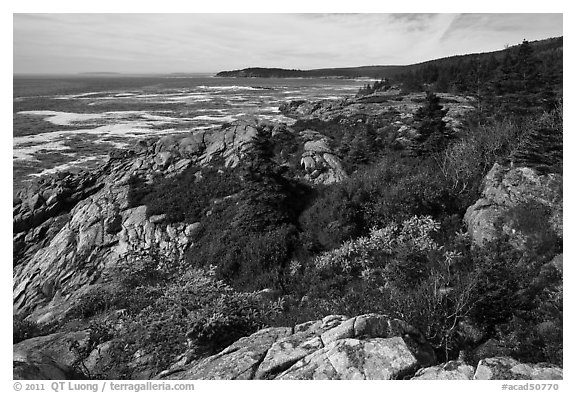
{"x": 149, "y": 43}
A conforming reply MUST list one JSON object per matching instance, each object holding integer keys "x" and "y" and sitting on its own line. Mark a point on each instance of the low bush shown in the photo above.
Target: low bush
{"x": 160, "y": 321}
{"x": 399, "y": 270}
{"x": 95, "y": 301}
{"x": 392, "y": 190}
{"x": 465, "y": 162}
{"x": 194, "y": 311}
{"x": 519, "y": 301}
{"x": 402, "y": 270}
{"x": 252, "y": 237}
{"x": 167, "y": 309}
{"x": 186, "y": 196}
{"x": 534, "y": 228}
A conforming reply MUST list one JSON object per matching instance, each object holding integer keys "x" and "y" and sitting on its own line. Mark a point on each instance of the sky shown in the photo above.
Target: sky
{"x": 165, "y": 43}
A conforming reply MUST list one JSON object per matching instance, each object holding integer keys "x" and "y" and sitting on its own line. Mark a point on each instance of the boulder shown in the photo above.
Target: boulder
{"x": 192, "y": 145}
{"x": 453, "y": 370}
{"x": 163, "y": 159}
{"x": 507, "y": 368}
{"x": 489, "y": 349}
{"x": 239, "y": 361}
{"x": 370, "y": 346}
{"x": 379, "y": 358}
{"x": 282, "y": 355}
{"x": 506, "y": 187}
{"x": 321, "y": 164}
{"x": 166, "y": 144}
{"x": 47, "y": 357}
{"x": 318, "y": 146}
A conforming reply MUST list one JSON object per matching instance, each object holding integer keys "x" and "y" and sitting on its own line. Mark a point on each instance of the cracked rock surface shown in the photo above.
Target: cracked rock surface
{"x": 70, "y": 229}
{"x": 370, "y": 346}
{"x": 507, "y": 368}
{"x": 507, "y": 187}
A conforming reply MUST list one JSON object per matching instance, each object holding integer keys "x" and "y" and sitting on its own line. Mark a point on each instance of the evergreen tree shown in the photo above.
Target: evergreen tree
{"x": 443, "y": 82}
{"x": 519, "y": 84}
{"x": 433, "y": 133}
{"x": 541, "y": 147}
{"x": 358, "y": 153}
{"x": 263, "y": 204}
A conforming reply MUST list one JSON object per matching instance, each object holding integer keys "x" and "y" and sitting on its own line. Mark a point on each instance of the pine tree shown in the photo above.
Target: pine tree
{"x": 433, "y": 133}
{"x": 259, "y": 163}
{"x": 264, "y": 203}
{"x": 541, "y": 147}
{"x": 519, "y": 84}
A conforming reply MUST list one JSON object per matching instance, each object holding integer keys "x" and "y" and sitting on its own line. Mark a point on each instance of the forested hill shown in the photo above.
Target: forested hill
{"x": 466, "y": 74}
{"x": 545, "y": 49}
{"x": 350, "y": 72}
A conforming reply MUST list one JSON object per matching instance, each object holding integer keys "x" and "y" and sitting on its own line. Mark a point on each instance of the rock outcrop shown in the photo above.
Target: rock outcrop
{"x": 47, "y": 357}
{"x": 508, "y": 368}
{"x": 100, "y": 230}
{"x": 71, "y": 229}
{"x": 496, "y": 368}
{"x": 230, "y": 144}
{"x": 321, "y": 164}
{"x": 40, "y": 211}
{"x": 366, "y": 347}
{"x": 507, "y": 187}
{"x": 453, "y": 370}
{"x": 398, "y": 109}
{"x": 370, "y": 346}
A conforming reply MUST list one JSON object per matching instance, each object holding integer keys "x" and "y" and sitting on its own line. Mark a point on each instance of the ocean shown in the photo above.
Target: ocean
{"x": 70, "y": 123}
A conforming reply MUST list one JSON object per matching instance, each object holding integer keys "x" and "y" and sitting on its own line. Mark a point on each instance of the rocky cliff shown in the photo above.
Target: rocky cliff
{"x": 71, "y": 229}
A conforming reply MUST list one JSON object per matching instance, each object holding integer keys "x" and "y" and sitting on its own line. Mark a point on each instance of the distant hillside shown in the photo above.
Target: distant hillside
{"x": 351, "y": 72}
{"x": 99, "y": 73}
{"x": 541, "y": 47}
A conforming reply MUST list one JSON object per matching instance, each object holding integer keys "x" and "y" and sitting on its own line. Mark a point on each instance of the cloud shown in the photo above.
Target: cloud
{"x": 211, "y": 42}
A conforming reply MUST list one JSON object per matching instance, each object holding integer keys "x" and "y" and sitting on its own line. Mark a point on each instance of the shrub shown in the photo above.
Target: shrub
{"x": 541, "y": 148}
{"x": 399, "y": 270}
{"x": 465, "y": 163}
{"x": 231, "y": 316}
{"x": 533, "y": 228}
{"x": 144, "y": 268}
{"x": 392, "y": 190}
{"x": 94, "y": 301}
{"x": 380, "y": 247}
{"x": 246, "y": 259}
{"x": 335, "y": 216}
{"x": 186, "y": 196}
{"x": 519, "y": 300}
{"x": 99, "y": 333}
{"x": 251, "y": 238}
{"x": 191, "y": 311}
